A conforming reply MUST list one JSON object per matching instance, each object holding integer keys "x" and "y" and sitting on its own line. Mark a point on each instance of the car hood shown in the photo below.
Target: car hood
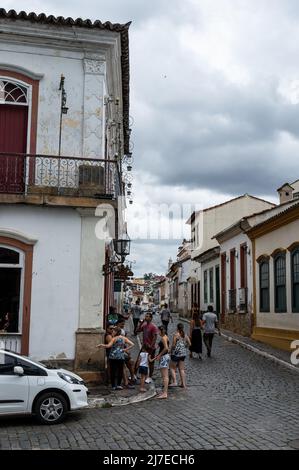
{"x": 64, "y": 371}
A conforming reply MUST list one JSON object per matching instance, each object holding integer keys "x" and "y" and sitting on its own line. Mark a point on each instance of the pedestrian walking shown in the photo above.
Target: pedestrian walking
{"x": 165, "y": 317}
{"x": 164, "y": 360}
{"x": 195, "y": 335}
{"x": 118, "y": 346}
{"x": 210, "y": 324}
{"x": 143, "y": 366}
{"x": 180, "y": 343}
{"x": 150, "y": 333}
{"x": 136, "y": 312}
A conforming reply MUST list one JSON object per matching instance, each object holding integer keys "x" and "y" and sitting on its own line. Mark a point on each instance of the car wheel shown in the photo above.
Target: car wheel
{"x": 50, "y": 408}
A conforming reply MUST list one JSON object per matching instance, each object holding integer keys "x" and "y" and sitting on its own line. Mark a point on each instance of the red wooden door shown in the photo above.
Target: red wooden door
{"x": 13, "y": 139}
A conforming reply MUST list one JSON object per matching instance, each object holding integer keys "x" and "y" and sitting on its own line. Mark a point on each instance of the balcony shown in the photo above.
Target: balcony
{"x": 59, "y": 176}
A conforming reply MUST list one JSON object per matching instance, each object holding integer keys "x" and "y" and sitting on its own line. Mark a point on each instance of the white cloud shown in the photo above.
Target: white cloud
{"x": 214, "y": 95}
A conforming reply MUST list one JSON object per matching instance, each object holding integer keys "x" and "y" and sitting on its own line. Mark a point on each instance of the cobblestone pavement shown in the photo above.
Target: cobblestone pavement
{"x": 235, "y": 400}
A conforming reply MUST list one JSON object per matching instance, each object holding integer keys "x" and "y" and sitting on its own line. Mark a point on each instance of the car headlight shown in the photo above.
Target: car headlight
{"x": 69, "y": 378}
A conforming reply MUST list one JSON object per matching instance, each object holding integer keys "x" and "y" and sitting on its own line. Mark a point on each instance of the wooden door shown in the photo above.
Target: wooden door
{"x": 13, "y": 140}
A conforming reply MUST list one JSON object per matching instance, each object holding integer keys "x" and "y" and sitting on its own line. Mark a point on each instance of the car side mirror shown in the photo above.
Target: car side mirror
{"x": 18, "y": 370}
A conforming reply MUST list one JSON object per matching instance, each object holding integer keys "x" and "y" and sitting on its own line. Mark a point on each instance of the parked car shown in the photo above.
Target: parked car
{"x": 27, "y": 386}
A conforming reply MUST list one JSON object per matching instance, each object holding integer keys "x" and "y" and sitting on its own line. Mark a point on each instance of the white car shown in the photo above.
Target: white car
{"x": 27, "y": 386}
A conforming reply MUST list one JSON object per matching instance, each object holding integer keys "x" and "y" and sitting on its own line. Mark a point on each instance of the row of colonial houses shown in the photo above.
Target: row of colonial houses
{"x": 243, "y": 259}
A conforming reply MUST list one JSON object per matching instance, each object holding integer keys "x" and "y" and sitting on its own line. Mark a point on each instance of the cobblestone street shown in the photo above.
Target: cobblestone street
{"x": 235, "y": 400}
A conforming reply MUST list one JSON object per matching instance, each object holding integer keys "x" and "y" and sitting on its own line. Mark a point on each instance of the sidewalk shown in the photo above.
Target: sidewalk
{"x": 278, "y": 356}
{"x": 102, "y": 396}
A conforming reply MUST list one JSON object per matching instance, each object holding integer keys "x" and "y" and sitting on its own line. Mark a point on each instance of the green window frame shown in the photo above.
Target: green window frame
{"x": 211, "y": 284}
{"x": 295, "y": 279}
{"x": 205, "y": 287}
{"x": 264, "y": 286}
{"x": 280, "y": 283}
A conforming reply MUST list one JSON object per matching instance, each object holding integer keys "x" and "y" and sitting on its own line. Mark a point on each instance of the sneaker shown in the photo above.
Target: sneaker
{"x": 130, "y": 386}
{"x": 119, "y": 387}
{"x": 113, "y": 388}
{"x": 148, "y": 380}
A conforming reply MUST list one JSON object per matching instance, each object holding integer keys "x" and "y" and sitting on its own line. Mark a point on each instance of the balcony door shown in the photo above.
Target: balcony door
{"x": 13, "y": 136}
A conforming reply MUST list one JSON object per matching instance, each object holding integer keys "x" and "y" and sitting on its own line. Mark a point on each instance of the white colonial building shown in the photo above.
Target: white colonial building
{"x": 64, "y": 103}
{"x": 205, "y": 248}
{"x": 275, "y": 248}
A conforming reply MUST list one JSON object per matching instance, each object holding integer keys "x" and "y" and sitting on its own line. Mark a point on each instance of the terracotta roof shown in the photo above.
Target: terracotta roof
{"x": 123, "y": 29}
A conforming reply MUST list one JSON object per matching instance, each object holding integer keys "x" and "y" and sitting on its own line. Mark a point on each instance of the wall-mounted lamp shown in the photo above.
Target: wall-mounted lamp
{"x": 236, "y": 254}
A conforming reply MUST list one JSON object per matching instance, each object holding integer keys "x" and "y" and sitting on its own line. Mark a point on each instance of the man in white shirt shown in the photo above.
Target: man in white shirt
{"x": 136, "y": 313}
{"x": 210, "y": 324}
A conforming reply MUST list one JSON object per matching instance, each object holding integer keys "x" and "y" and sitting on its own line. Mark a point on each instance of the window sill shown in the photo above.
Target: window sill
{"x": 4, "y": 333}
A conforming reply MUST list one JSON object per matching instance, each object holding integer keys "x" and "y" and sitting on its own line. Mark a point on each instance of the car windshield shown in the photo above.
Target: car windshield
{"x": 46, "y": 366}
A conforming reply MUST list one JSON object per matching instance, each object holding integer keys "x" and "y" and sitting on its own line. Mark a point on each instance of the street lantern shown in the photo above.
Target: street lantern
{"x": 122, "y": 246}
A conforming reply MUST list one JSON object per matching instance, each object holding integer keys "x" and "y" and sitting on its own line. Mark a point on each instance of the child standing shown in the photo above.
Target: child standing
{"x": 143, "y": 366}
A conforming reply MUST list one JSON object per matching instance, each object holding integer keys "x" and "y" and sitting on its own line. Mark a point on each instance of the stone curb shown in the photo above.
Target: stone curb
{"x": 264, "y": 354}
{"x": 100, "y": 402}
{"x": 255, "y": 350}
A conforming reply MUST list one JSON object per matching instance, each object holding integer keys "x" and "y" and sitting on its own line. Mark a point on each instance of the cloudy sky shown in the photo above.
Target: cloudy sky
{"x": 215, "y": 103}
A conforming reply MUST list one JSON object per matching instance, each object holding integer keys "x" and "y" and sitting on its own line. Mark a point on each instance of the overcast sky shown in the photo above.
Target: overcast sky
{"x": 215, "y": 103}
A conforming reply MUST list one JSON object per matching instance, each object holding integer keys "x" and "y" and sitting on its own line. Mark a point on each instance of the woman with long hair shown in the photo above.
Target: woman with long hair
{"x": 195, "y": 335}
{"x": 118, "y": 346}
{"x": 164, "y": 359}
{"x": 110, "y": 332}
{"x": 180, "y": 343}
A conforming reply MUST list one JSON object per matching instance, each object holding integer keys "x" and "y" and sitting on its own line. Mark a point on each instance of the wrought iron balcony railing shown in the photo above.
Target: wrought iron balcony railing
{"x": 53, "y": 175}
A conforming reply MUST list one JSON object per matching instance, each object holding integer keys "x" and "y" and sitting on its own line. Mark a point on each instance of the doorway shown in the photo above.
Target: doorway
{"x": 10, "y": 291}
{"x": 13, "y": 135}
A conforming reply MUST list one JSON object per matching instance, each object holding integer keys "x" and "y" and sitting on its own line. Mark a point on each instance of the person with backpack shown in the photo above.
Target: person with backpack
{"x": 180, "y": 344}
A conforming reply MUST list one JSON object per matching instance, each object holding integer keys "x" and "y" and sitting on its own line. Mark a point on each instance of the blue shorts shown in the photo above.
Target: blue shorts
{"x": 143, "y": 370}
